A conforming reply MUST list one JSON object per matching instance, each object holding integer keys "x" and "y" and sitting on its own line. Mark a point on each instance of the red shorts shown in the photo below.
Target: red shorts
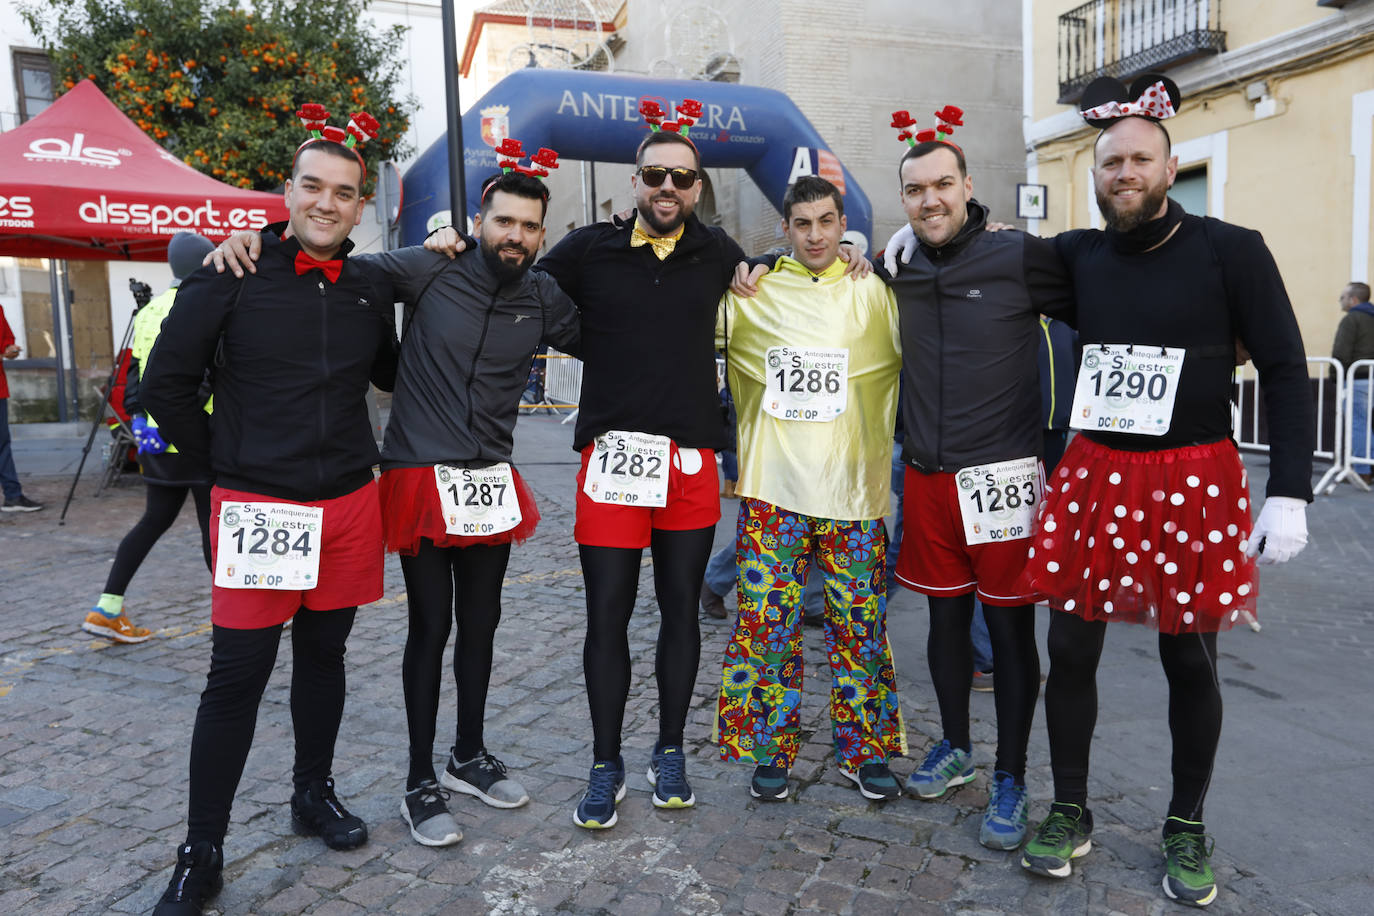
{"x": 411, "y": 511}
{"x": 935, "y": 558}
{"x": 693, "y": 502}
{"x": 350, "y": 562}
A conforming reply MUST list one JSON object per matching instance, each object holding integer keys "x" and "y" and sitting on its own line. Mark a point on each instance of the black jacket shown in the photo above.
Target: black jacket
{"x": 466, "y": 355}
{"x": 970, "y": 326}
{"x": 291, "y": 380}
{"x": 648, "y": 330}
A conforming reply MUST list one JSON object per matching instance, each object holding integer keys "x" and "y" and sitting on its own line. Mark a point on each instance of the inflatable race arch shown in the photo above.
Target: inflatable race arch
{"x": 595, "y": 116}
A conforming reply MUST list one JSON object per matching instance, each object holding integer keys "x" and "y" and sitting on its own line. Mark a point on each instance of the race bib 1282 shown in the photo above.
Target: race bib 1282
{"x": 628, "y": 469}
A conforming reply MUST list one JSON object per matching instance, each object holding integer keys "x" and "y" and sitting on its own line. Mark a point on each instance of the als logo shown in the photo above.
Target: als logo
{"x": 53, "y": 149}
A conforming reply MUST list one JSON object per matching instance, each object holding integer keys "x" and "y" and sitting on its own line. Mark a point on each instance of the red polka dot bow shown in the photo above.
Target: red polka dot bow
{"x": 1154, "y": 102}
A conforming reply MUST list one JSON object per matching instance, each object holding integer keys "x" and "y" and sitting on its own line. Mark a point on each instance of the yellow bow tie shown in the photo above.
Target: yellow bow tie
{"x": 662, "y": 246}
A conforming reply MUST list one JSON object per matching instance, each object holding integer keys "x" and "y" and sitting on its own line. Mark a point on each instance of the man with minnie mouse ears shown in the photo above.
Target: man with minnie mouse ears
{"x": 1147, "y": 517}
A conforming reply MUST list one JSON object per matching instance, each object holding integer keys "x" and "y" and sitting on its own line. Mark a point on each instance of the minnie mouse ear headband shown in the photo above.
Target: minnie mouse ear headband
{"x": 946, "y": 118}
{"x": 1106, "y": 100}
{"x": 512, "y": 152}
{"x": 361, "y": 128}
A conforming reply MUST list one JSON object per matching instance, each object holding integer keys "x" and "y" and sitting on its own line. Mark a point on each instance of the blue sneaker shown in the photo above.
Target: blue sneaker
{"x": 605, "y": 788}
{"x": 668, "y": 775}
{"x": 944, "y": 768}
{"x": 1004, "y": 821}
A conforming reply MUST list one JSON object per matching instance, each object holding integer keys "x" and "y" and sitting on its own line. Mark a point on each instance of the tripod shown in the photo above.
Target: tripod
{"x": 142, "y": 294}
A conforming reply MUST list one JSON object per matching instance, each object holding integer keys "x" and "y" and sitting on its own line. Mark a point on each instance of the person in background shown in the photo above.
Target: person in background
{"x": 15, "y": 500}
{"x": 168, "y": 474}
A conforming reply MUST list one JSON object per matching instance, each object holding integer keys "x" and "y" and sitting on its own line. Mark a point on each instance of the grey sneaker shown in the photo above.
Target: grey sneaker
{"x": 944, "y": 768}
{"x": 20, "y": 504}
{"x": 485, "y": 777}
{"x": 426, "y": 814}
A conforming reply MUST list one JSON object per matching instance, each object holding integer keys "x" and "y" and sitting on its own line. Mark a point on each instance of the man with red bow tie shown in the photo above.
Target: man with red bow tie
{"x": 296, "y": 528}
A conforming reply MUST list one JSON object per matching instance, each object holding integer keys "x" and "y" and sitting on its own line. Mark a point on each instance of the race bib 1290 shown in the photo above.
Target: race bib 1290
{"x": 998, "y": 501}
{"x": 628, "y": 469}
{"x": 1127, "y": 388}
{"x": 810, "y": 384}
{"x": 477, "y": 501}
{"x": 269, "y": 545}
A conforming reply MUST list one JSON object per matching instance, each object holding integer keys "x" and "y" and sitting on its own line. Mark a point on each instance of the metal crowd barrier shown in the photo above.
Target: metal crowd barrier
{"x": 559, "y": 383}
{"x": 1328, "y": 379}
{"x": 1357, "y": 435}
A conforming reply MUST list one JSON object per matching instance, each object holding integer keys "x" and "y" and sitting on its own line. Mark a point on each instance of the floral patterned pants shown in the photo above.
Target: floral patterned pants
{"x": 758, "y": 713}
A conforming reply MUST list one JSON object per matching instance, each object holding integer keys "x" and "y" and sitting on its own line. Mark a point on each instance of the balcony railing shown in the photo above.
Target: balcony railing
{"x": 1124, "y": 38}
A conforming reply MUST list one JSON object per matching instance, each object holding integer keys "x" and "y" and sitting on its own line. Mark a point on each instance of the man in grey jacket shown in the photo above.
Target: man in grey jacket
{"x": 452, "y": 504}
{"x": 1355, "y": 341}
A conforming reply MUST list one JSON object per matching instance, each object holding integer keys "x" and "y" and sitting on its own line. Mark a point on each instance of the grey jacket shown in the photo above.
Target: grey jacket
{"x": 465, "y": 356}
{"x": 969, "y": 313}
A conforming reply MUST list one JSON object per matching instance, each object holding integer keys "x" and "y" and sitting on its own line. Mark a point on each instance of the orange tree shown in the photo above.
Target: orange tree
{"x": 218, "y": 86}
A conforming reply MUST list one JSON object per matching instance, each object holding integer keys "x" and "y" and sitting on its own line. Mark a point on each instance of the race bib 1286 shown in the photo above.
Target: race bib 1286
{"x": 810, "y": 384}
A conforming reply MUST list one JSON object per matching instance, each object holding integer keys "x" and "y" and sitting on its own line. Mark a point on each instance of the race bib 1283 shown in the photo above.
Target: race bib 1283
{"x": 998, "y": 501}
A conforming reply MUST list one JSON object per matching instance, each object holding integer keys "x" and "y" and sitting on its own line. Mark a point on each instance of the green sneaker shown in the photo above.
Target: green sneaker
{"x": 1062, "y": 836}
{"x": 1188, "y": 875}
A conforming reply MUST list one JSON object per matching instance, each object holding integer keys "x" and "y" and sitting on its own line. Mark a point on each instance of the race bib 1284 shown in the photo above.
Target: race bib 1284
{"x": 269, "y": 545}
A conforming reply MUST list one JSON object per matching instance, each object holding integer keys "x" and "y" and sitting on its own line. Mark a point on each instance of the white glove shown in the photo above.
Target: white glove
{"x": 1280, "y": 532}
{"x": 903, "y": 241}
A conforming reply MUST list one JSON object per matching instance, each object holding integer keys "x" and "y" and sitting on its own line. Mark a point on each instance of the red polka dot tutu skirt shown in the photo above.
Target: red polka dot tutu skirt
{"x": 1157, "y": 538}
{"x": 411, "y": 510}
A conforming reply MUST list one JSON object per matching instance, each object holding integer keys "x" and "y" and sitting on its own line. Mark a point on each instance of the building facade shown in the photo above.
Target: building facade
{"x": 1275, "y": 131}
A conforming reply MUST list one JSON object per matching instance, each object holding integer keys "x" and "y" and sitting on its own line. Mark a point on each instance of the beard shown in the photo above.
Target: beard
{"x": 506, "y": 271}
{"x": 664, "y": 227}
{"x": 1118, "y": 219}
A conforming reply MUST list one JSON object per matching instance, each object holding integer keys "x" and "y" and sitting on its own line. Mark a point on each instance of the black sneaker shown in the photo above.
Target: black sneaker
{"x": 317, "y": 811}
{"x": 485, "y": 777}
{"x": 21, "y": 504}
{"x": 769, "y": 783}
{"x": 198, "y": 877}
{"x": 875, "y": 781}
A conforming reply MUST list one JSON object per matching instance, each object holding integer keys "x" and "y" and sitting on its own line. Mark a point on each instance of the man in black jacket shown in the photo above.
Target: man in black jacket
{"x": 452, "y": 504}
{"x": 648, "y": 427}
{"x": 969, "y": 301}
{"x": 296, "y": 522}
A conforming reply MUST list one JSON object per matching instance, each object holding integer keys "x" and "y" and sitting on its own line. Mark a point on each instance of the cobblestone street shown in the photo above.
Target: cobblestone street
{"x": 94, "y": 740}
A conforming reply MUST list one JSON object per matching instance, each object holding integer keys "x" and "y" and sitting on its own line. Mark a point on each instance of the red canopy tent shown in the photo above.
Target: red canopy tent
{"x": 81, "y": 181}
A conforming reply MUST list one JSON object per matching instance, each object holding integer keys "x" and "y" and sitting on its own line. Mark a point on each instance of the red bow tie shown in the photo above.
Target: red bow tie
{"x": 332, "y": 269}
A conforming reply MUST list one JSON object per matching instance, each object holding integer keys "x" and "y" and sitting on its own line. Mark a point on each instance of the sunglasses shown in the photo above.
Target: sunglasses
{"x": 654, "y": 175}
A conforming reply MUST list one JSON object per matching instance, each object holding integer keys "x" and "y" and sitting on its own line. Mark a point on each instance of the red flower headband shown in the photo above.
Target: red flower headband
{"x": 688, "y": 113}
{"x": 513, "y": 152}
{"x": 361, "y": 128}
{"x": 947, "y": 118}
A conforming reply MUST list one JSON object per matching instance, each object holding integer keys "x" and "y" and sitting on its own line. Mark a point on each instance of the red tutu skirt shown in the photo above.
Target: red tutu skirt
{"x": 1157, "y": 538}
{"x": 411, "y": 510}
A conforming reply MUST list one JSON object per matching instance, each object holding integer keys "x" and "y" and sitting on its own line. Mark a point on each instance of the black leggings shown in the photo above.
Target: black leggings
{"x": 612, "y": 579}
{"x": 162, "y": 508}
{"x": 240, "y": 663}
{"x": 434, "y": 576}
{"x": 1016, "y": 685}
{"x": 1190, "y": 664}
